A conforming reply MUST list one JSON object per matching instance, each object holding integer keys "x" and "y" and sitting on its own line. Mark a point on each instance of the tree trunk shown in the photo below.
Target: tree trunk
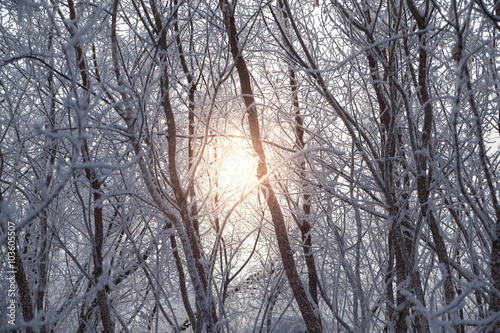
{"x": 307, "y": 307}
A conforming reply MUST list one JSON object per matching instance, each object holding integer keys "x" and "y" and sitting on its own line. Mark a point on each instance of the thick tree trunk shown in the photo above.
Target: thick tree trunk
{"x": 307, "y": 307}
{"x": 24, "y": 291}
{"x": 102, "y": 297}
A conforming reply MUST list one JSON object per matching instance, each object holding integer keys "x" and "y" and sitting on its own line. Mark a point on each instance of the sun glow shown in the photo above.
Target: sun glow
{"x": 236, "y": 164}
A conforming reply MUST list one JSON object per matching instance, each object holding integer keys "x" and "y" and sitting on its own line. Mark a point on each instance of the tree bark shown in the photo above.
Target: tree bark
{"x": 307, "y": 307}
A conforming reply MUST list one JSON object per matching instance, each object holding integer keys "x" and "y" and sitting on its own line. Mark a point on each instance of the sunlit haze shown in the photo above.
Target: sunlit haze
{"x": 237, "y": 165}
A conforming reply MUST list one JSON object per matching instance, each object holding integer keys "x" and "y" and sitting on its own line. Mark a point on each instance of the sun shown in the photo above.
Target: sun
{"x": 237, "y": 164}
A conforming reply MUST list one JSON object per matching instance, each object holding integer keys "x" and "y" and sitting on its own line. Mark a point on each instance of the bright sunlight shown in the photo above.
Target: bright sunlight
{"x": 235, "y": 163}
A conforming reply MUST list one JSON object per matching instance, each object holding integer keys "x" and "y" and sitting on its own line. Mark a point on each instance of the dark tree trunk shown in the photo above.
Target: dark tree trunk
{"x": 307, "y": 307}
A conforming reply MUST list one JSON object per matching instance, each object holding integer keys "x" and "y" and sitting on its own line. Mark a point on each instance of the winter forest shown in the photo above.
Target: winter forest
{"x": 249, "y": 166}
